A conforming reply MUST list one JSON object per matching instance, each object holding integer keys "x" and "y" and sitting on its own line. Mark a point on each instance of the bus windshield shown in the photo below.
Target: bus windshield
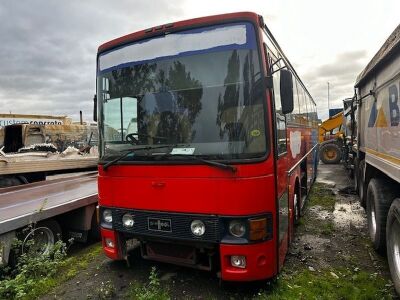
{"x": 199, "y": 89}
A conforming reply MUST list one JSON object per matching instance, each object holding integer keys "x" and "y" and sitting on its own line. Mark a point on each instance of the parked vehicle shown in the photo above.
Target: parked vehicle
{"x": 377, "y": 164}
{"x": 43, "y": 146}
{"x": 208, "y": 145}
{"x": 330, "y": 136}
{"x": 46, "y": 211}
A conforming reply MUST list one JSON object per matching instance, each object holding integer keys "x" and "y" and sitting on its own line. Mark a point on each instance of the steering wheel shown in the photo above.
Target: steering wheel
{"x": 130, "y": 137}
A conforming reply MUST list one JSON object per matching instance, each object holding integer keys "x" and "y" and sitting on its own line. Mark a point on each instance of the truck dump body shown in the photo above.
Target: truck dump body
{"x": 378, "y": 88}
{"x": 22, "y": 205}
{"x": 378, "y": 150}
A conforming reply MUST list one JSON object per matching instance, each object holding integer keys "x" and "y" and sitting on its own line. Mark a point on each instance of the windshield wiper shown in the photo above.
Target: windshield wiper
{"x": 129, "y": 151}
{"x": 208, "y": 162}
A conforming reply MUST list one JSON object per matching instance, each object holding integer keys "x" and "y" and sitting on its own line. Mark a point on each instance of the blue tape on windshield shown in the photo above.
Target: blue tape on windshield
{"x": 250, "y": 44}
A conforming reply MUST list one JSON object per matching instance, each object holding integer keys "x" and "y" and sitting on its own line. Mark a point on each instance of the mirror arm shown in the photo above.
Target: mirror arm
{"x": 281, "y": 68}
{"x": 278, "y": 60}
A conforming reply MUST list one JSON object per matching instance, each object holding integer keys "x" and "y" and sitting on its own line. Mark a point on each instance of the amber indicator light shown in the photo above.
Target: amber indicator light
{"x": 258, "y": 229}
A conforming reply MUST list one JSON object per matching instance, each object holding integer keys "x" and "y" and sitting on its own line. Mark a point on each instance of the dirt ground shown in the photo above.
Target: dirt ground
{"x": 331, "y": 239}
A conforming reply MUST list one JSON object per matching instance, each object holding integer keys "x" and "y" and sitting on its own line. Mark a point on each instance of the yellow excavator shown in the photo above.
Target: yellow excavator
{"x": 331, "y": 136}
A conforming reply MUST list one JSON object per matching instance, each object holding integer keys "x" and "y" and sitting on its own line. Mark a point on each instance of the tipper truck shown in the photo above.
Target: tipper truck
{"x": 377, "y": 162}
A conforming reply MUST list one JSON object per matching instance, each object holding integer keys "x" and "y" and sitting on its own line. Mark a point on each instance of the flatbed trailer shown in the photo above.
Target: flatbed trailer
{"x": 64, "y": 207}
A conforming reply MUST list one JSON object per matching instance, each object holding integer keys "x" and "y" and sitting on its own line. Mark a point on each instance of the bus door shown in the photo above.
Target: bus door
{"x": 281, "y": 172}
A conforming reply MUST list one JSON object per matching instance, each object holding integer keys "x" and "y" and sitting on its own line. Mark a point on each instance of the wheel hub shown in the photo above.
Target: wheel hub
{"x": 373, "y": 220}
{"x": 395, "y": 243}
{"x": 38, "y": 241}
{"x": 296, "y": 207}
{"x": 331, "y": 154}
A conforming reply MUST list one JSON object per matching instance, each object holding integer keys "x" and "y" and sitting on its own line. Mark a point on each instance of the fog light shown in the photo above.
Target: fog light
{"x": 128, "y": 220}
{"x": 238, "y": 261}
{"x": 109, "y": 243}
{"x": 107, "y": 215}
{"x": 197, "y": 227}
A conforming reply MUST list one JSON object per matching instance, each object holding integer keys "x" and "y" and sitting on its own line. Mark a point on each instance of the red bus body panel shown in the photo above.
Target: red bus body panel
{"x": 200, "y": 189}
{"x": 188, "y": 188}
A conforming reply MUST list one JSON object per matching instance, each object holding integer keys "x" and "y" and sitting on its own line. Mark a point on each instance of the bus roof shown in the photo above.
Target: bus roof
{"x": 170, "y": 27}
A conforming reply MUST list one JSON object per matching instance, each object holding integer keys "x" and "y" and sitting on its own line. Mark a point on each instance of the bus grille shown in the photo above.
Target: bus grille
{"x": 180, "y": 225}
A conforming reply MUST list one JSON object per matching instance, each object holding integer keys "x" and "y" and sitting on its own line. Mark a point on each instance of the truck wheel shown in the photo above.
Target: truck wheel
{"x": 356, "y": 174}
{"x": 330, "y": 153}
{"x": 393, "y": 242}
{"x": 8, "y": 181}
{"x": 41, "y": 238}
{"x": 379, "y": 198}
{"x": 362, "y": 187}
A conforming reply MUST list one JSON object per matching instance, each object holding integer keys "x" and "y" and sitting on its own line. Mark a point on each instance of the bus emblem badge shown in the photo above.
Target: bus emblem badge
{"x": 159, "y": 224}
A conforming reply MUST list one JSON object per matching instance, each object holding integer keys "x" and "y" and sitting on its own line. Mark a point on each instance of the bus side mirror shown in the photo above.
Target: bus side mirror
{"x": 286, "y": 86}
{"x": 95, "y": 108}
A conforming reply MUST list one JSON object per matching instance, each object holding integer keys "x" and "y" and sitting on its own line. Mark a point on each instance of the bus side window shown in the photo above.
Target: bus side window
{"x": 280, "y": 118}
{"x": 309, "y": 110}
{"x": 296, "y": 110}
{"x": 303, "y": 105}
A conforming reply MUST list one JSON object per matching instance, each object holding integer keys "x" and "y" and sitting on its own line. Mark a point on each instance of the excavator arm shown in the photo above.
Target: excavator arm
{"x": 328, "y": 126}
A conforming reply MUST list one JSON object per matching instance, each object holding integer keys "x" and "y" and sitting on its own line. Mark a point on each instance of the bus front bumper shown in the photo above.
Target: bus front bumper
{"x": 260, "y": 262}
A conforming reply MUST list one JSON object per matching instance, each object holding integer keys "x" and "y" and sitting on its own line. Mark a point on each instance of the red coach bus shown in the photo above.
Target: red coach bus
{"x": 208, "y": 145}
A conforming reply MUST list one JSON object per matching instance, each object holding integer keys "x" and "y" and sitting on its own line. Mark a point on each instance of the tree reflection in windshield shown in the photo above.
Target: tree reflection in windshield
{"x": 212, "y": 102}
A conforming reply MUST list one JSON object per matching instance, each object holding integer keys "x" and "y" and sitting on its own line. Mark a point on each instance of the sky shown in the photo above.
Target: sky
{"x": 48, "y": 48}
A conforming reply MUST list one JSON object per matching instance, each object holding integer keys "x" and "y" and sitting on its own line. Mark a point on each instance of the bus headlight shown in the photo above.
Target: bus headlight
{"x": 107, "y": 215}
{"x": 237, "y": 228}
{"x": 197, "y": 227}
{"x": 128, "y": 221}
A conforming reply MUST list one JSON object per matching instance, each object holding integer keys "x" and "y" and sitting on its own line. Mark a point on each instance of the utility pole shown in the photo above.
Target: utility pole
{"x": 328, "y": 98}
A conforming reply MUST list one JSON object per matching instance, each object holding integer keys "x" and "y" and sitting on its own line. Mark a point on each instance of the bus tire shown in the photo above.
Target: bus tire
{"x": 362, "y": 187}
{"x": 296, "y": 206}
{"x": 393, "y": 242}
{"x": 316, "y": 163}
{"x": 379, "y": 198}
{"x": 330, "y": 153}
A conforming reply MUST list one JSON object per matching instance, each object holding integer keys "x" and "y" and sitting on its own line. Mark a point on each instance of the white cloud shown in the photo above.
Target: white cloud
{"x": 48, "y": 48}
